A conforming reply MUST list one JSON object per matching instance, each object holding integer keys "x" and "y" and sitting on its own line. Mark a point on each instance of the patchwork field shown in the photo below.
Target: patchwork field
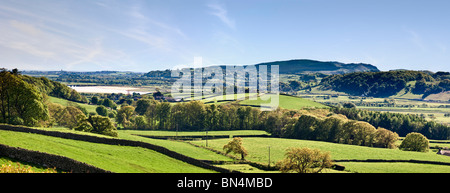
{"x": 135, "y": 159}
{"x": 258, "y": 150}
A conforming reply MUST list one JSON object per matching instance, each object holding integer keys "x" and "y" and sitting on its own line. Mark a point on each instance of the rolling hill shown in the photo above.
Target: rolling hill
{"x": 313, "y": 66}
{"x": 297, "y": 66}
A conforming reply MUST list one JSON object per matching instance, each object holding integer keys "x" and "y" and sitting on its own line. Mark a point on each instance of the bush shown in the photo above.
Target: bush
{"x": 415, "y": 142}
{"x": 84, "y": 125}
{"x": 349, "y": 105}
{"x": 102, "y": 125}
{"x": 15, "y": 120}
{"x": 304, "y": 160}
{"x": 101, "y": 110}
{"x": 97, "y": 124}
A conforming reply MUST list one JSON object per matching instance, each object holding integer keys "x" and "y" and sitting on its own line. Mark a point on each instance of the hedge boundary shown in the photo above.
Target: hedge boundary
{"x": 122, "y": 142}
{"x": 48, "y": 160}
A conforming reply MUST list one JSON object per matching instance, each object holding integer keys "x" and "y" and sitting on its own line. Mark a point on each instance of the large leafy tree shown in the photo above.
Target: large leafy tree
{"x": 124, "y": 115}
{"x": 163, "y": 112}
{"x": 235, "y": 146}
{"x": 415, "y": 142}
{"x": 20, "y": 102}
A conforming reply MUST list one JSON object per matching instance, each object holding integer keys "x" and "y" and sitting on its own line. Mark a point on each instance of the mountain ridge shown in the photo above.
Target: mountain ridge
{"x": 296, "y": 66}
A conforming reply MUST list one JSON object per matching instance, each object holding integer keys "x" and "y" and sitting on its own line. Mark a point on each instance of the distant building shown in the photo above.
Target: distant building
{"x": 444, "y": 152}
{"x": 170, "y": 99}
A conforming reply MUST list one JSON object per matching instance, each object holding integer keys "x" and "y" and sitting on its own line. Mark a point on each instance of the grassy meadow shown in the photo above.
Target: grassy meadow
{"x": 64, "y": 102}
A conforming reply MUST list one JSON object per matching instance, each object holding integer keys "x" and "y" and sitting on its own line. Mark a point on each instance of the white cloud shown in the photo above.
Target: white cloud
{"x": 53, "y": 37}
{"x": 155, "y": 34}
{"x": 221, "y": 12}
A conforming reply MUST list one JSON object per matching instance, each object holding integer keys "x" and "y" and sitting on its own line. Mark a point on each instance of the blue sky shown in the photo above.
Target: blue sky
{"x": 144, "y": 35}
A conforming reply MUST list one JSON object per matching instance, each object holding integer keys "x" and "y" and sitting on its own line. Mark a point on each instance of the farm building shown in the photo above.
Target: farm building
{"x": 444, "y": 152}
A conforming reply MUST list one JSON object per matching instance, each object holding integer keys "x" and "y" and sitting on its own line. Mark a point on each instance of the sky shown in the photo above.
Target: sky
{"x": 145, "y": 35}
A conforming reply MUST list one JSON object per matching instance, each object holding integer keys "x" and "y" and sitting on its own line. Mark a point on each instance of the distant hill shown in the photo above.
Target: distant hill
{"x": 312, "y": 66}
{"x": 299, "y": 66}
{"x": 385, "y": 84}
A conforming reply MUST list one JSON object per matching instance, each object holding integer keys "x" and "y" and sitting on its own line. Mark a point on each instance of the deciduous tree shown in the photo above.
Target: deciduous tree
{"x": 235, "y": 146}
{"x": 304, "y": 160}
{"x": 415, "y": 142}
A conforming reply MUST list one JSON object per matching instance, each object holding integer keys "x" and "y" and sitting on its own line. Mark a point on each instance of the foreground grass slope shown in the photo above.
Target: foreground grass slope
{"x": 109, "y": 157}
{"x": 177, "y": 146}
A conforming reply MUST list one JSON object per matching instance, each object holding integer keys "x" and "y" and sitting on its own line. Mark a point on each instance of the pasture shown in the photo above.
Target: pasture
{"x": 287, "y": 102}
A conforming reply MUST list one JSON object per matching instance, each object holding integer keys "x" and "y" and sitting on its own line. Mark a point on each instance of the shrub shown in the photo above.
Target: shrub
{"x": 304, "y": 160}
{"x": 97, "y": 124}
{"x": 15, "y": 120}
{"x": 102, "y": 125}
{"x": 415, "y": 142}
{"x": 101, "y": 110}
{"x": 349, "y": 105}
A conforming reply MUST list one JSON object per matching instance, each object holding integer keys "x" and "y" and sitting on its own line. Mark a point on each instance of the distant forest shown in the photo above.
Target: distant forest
{"x": 385, "y": 84}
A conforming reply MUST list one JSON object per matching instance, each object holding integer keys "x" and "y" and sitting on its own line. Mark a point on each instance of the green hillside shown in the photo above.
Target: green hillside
{"x": 123, "y": 159}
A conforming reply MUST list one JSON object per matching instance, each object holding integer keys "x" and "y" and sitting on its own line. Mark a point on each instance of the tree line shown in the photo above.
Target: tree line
{"x": 53, "y": 88}
{"x": 338, "y": 129}
{"x": 313, "y": 124}
{"x": 399, "y": 123}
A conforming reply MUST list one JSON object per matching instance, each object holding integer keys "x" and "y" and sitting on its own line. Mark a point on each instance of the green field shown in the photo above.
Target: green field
{"x": 394, "y": 167}
{"x": 135, "y": 159}
{"x": 177, "y": 146}
{"x": 64, "y": 102}
{"x": 286, "y": 102}
{"x": 113, "y": 158}
{"x": 258, "y": 149}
